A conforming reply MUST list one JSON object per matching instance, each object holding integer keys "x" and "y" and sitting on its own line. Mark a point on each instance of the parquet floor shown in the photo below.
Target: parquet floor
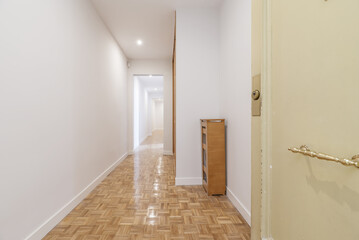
{"x": 139, "y": 200}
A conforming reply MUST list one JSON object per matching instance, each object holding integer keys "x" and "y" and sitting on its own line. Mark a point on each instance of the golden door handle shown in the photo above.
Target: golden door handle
{"x": 354, "y": 161}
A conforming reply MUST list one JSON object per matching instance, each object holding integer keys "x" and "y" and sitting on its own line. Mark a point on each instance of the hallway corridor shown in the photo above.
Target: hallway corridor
{"x": 138, "y": 200}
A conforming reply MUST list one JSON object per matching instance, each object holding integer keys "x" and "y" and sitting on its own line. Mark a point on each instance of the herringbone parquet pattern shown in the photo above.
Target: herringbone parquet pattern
{"x": 138, "y": 200}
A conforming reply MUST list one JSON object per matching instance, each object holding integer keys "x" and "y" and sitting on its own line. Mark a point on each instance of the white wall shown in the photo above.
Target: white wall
{"x": 214, "y": 81}
{"x": 235, "y": 58}
{"x": 197, "y": 86}
{"x": 151, "y": 117}
{"x": 143, "y": 113}
{"x": 136, "y": 112}
{"x": 155, "y": 67}
{"x": 158, "y": 115}
{"x": 63, "y": 108}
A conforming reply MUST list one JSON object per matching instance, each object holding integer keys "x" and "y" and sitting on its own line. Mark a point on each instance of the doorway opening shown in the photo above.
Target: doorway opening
{"x": 148, "y": 109}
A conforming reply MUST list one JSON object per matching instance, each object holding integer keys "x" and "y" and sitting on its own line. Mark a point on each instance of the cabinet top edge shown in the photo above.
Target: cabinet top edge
{"x": 212, "y": 120}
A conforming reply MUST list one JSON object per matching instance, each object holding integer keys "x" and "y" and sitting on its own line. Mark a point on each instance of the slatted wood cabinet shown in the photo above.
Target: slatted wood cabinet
{"x": 213, "y": 156}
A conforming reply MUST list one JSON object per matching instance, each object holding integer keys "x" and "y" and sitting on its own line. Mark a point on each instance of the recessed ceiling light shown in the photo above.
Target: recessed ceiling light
{"x": 156, "y": 89}
{"x": 150, "y": 76}
{"x": 139, "y": 42}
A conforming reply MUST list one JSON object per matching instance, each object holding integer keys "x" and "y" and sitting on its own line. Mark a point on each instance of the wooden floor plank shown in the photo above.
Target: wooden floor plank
{"x": 139, "y": 200}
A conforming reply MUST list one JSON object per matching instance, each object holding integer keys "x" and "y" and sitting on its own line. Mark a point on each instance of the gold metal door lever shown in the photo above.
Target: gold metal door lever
{"x": 354, "y": 161}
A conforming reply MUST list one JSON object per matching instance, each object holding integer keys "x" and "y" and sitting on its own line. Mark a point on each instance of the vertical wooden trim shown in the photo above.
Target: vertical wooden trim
{"x": 266, "y": 124}
{"x": 174, "y": 92}
{"x": 256, "y": 121}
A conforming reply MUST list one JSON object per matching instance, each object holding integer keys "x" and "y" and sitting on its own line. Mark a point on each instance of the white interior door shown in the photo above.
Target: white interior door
{"x": 313, "y": 100}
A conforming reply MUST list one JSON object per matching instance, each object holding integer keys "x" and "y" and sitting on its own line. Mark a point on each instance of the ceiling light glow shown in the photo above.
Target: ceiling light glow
{"x": 139, "y": 42}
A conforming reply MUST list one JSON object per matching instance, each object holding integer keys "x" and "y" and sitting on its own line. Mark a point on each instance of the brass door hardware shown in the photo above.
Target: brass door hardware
{"x": 256, "y": 95}
{"x": 354, "y": 161}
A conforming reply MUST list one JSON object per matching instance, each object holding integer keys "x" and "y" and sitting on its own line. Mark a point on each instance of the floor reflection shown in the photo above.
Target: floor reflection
{"x": 139, "y": 200}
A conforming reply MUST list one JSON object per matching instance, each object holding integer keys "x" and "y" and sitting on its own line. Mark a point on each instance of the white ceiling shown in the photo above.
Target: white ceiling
{"x": 153, "y": 85}
{"x": 152, "y": 21}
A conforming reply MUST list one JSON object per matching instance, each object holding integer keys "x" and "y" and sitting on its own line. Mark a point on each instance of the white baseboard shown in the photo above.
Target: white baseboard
{"x": 167, "y": 153}
{"x": 143, "y": 139}
{"x": 240, "y": 207}
{"x": 188, "y": 181}
{"x": 49, "y": 224}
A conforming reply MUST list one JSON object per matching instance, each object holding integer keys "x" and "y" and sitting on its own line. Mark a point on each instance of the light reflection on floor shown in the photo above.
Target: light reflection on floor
{"x": 139, "y": 200}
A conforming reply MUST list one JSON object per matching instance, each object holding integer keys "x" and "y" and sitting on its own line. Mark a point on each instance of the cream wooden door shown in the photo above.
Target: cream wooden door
{"x": 312, "y": 98}
{"x": 256, "y": 123}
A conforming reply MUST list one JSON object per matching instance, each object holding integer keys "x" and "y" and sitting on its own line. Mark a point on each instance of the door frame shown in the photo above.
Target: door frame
{"x": 266, "y": 126}
{"x": 132, "y": 124}
{"x": 174, "y": 149}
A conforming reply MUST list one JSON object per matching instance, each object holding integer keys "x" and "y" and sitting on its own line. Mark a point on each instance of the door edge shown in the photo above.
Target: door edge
{"x": 266, "y": 132}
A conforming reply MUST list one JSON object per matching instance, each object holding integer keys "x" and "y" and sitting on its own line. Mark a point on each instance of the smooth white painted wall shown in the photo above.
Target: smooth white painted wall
{"x": 214, "y": 81}
{"x": 136, "y": 112}
{"x": 151, "y": 117}
{"x": 160, "y": 67}
{"x": 197, "y": 85}
{"x": 235, "y": 95}
{"x": 63, "y": 108}
{"x": 158, "y": 115}
{"x": 143, "y": 113}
